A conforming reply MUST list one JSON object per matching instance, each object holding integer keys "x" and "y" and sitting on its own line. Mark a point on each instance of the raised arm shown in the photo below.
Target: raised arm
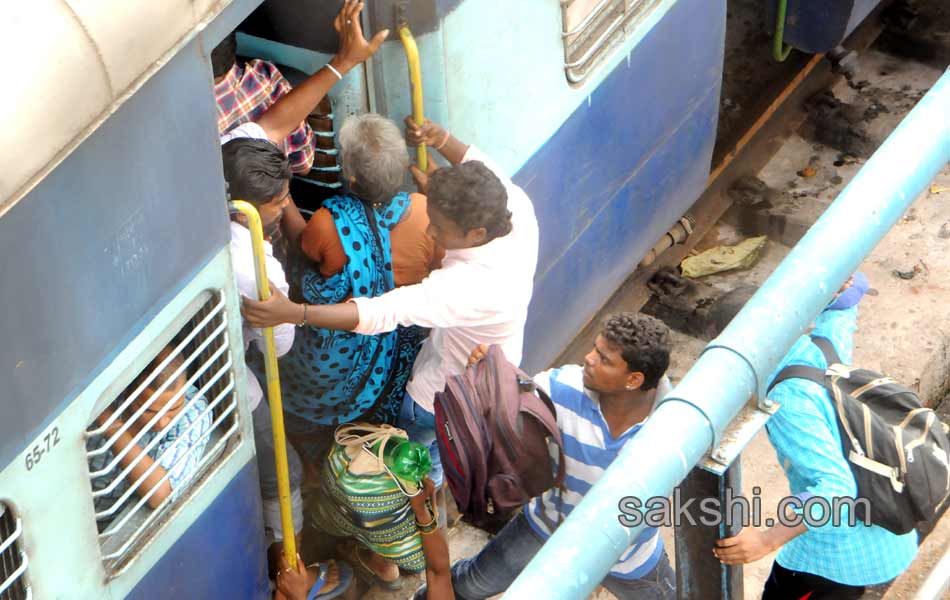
{"x": 287, "y": 113}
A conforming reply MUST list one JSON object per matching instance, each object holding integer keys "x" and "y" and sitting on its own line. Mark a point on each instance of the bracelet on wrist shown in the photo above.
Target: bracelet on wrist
{"x": 333, "y": 70}
{"x": 445, "y": 140}
{"x": 427, "y": 528}
{"x": 303, "y": 321}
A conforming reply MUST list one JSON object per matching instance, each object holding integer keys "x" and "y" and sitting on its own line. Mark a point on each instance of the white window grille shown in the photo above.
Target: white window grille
{"x": 591, "y": 28}
{"x": 160, "y": 435}
{"x": 13, "y": 560}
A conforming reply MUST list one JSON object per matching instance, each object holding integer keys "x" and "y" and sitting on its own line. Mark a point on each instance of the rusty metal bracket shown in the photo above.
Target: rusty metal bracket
{"x": 750, "y": 420}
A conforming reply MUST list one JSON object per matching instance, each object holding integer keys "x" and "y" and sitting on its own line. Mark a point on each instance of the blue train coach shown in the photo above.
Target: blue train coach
{"x": 819, "y": 25}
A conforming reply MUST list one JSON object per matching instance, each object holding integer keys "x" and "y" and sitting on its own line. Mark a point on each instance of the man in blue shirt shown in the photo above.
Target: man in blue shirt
{"x": 833, "y": 561}
{"x": 600, "y": 407}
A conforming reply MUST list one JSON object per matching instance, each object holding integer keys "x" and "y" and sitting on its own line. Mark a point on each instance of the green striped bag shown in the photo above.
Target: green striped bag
{"x": 369, "y": 506}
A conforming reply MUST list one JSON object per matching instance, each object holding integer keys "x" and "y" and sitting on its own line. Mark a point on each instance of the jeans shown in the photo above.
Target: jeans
{"x": 419, "y": 424}
{"x": 785, "y": 584}
{"x": 267, "y": 472}
{"x": 493, "y": 569}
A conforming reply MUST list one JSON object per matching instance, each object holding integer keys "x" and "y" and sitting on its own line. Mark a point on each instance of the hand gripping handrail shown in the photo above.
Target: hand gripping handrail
{"x": 415, "y": 79}
{"x": 681, "y": 430}
{"x": 273, "y": 384}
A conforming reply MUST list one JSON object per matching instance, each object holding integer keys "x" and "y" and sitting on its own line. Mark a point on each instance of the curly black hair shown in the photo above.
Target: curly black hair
{"x": 644, "y": 343}
{"x": 471, "y": 196}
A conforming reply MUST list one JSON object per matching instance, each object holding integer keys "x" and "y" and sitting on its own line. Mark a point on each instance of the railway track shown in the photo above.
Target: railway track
{"x": 743, "y": 148}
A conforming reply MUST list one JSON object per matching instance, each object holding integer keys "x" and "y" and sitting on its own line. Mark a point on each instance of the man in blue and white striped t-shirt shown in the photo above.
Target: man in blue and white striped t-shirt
{"x": 600, "y": 407}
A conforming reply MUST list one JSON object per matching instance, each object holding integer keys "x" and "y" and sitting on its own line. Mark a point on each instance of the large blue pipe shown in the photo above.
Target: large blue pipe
{"x": 736, "y": 364}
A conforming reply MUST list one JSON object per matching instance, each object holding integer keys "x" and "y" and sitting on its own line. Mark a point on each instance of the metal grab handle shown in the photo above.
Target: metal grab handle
{"x": 780, "y": 50}
{"x": 415, "y": 81}
{"x": 273, "y": 384}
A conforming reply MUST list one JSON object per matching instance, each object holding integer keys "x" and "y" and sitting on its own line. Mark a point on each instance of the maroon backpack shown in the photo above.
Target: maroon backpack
{"x": 493, "y": 425}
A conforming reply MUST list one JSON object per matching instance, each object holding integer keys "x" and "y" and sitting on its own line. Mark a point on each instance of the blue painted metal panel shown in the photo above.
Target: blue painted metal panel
{"x": 221, "y": 555}
{"x": 227, "y": 22}
{"x": 621, "y": 170}
{"x": 105, "y": 241}
{"x": 820, "y": 25}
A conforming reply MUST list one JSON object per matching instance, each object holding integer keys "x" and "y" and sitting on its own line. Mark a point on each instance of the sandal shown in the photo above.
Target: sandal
{"x": 346, "y": 578}
{"x": 369, "y": 576}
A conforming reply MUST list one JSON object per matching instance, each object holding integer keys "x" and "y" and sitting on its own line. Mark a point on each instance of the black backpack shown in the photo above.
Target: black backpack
{"x": 897, "y": 449}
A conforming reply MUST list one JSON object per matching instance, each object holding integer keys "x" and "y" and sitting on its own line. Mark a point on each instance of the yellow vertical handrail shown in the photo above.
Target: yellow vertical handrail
{"x": 273, "y": 384}
{"x": 415, "y": 83}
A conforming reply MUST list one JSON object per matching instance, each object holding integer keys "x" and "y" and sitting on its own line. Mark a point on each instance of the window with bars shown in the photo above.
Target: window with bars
{"x": 13, "y": 560}
{"x": 592, "y": 28}
{"x": 164, "y": 431}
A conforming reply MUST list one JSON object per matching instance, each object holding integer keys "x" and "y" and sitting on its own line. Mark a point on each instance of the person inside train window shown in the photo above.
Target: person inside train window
{"x": 479, "y": 295}
{"x": 822, "y": 558}
{"x": 158, "y": 452}
{"x": 259, "y": 172}
{"x": 600, "y": 407}
{"x": 244, "y": 93}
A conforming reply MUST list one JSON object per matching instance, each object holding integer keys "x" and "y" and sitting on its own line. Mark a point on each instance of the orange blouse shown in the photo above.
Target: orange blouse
{"x": 414, "y": 253}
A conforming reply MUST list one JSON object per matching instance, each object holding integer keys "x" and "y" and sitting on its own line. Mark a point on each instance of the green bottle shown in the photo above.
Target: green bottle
{"x": 409, "y": 461}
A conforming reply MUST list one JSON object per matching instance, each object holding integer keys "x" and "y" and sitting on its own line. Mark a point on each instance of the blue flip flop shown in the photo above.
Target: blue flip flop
{"x": 346, "y": 578}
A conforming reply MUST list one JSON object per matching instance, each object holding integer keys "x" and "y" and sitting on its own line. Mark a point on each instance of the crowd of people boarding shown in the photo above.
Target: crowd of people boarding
{"x": 381, "y": 295}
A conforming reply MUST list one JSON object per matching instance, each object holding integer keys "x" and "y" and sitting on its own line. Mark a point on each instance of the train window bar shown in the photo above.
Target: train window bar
{"x": 591, "y": 28}
{"x": 156, "y": 439}
{"x": 195, "y": 331}
{"x": 193, "y": 427}
{"x": 13, "y": 560}
{"x": 161, "y": 412}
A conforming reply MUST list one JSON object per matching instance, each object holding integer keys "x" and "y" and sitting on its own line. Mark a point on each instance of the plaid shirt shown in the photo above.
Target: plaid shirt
{"x": 245, "y": 94}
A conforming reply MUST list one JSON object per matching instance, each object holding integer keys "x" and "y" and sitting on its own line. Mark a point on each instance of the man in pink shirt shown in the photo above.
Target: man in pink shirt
{"x": 480, "y": 295}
